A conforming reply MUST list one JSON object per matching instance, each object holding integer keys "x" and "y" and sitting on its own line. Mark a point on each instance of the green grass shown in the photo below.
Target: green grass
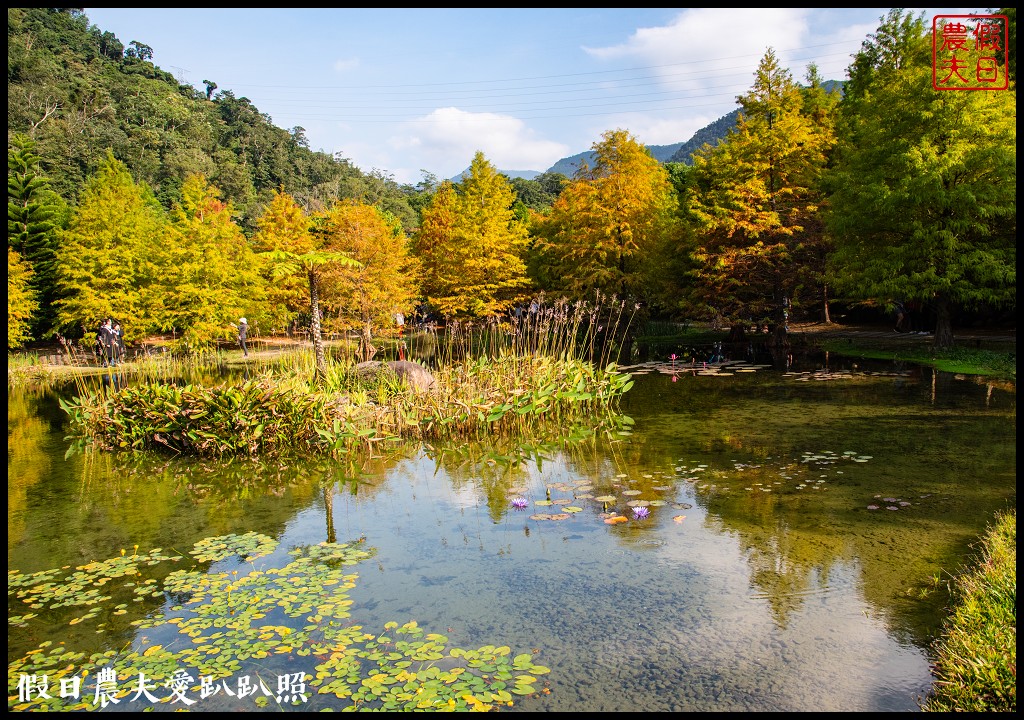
{"x": 967, "y": 361}
{"x": 976, "y": 657}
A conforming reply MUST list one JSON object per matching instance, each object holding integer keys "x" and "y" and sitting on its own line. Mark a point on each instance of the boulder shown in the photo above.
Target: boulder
{"x": 413, "y": 374}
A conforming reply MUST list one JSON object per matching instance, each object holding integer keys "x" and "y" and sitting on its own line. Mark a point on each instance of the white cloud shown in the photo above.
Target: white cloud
{"x": 704, "y": 48}
{"x": 342, "y": 66}
{"x": 446, "y": 140}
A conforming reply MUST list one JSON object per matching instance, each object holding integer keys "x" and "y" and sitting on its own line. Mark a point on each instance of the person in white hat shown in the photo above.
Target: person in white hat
{"x": 243, "y": 333}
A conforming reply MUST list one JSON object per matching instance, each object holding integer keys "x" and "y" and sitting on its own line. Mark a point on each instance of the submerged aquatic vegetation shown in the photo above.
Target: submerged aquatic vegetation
{"x": 218, "y": 624}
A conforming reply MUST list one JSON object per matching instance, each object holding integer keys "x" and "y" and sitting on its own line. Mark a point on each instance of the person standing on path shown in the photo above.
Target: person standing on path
{"x": 400, "y": 322}
{"x": 118, "y": 344}
{"x": 901, "y": 316}
{"x": 243, "y": 334}
{"x": 107, "y": 342}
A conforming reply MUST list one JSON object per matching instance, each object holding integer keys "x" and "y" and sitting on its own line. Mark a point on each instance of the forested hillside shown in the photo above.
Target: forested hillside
{"x": 79, "y": 91}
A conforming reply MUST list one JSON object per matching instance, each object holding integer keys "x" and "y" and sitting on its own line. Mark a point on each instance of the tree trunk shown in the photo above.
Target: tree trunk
{"x": 366, "y": 348}
{"x": 320, "y": 374}
{"x": 825, "y": 310}
{"x": 943, "y": 324}
{"x": 332, "y": 535}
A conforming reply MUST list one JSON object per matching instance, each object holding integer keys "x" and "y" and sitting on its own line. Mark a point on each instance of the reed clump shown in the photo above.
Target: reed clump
{"x": 497, "y": 378}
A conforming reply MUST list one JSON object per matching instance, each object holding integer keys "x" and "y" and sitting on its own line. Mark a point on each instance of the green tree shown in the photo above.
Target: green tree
{"x": 21, "y": 300}
{"x": 108, "y": 262}
{"x": 386, "y": 280}
{"x": 471, "y": 244}
{"x": 755, "y": 198}
{"x": 923, "y": 192}
{"x": 605, "y": 225}
{"x": 296, "y": 247}
{"x": 212, "y": 275}
{"x": 33, "y": 213}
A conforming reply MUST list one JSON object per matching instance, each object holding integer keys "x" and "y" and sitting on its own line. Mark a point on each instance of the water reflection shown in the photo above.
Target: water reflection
{"x": 762, "y": 580}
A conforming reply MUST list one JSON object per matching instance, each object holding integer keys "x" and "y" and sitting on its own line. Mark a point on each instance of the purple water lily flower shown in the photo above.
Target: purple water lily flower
{"x": 520, "y": 503}
{"x": 641, "y": 513}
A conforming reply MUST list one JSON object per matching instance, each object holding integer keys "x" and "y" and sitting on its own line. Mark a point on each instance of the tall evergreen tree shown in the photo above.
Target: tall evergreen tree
{"x": 923, "y": 202}
{"x": 34, "y": 212}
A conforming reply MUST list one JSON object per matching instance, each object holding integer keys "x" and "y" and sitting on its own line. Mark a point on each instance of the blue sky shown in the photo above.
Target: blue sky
{"x": 406, "y": 90}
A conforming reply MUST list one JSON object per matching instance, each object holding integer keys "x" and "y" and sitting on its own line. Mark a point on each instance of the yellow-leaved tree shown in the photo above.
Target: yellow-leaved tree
{"x": 21, "y": 300}
{"x": 471, "y": 244}
{"x": 755, "y": 199}
{"x": 385, "y": 282}
{"x": 297, "y": 248}
{"x": 282, "y": 223}
{"x": 108, "y": 260}
{"x": 603, "y": 229}
{"x": 212, "y": 275}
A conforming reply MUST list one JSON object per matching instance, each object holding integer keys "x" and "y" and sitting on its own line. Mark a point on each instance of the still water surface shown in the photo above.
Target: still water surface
{"x": 796, "y": 521}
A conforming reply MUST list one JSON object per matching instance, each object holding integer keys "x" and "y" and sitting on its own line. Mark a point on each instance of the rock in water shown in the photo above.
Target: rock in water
{"x": 413, "y": 374}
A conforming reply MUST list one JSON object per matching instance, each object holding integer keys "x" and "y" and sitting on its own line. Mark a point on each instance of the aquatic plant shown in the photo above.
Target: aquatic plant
{"x": 520, "y": 503}
{"x": 641, "y": 513}
{"x": 220, "y": 624}
{"x": 268, "y": 414}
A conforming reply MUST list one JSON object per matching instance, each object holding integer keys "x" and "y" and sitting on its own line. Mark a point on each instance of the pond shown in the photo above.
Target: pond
{"x": 764, "y": 540}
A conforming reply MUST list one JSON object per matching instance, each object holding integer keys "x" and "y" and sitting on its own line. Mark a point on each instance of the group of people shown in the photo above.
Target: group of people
{"x": 110, "y": 343}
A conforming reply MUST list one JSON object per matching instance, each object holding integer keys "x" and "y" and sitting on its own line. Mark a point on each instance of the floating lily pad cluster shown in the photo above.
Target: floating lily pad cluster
{"x": 250, "y": 546}
{"x": 295, "y": 617}
{"x": 676, "y": 368}
{"x": 825, "y": 374}
{"x": 812, "y": 471}
{"x": 89, "y": 586}
{"x": 573, "y": 503}
{"x": 892, "y": 503}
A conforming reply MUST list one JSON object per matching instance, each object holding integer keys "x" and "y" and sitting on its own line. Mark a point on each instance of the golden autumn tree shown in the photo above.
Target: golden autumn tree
{"x": 755, "y": 197}
{"x": 471, "y": 244}
{"x": 297, "y": 247}
{"x": 282, "y": 224}
{"x": 21, "y": 300}
{"x": 602, "y": 230}
{"x": 385, "y": 282}
{"x": 108, "y": 260}
{"x": 212, "y": 274}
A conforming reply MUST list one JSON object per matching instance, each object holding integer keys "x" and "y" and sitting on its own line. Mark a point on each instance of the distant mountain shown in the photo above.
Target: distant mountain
{"x": 524, "y": 174}
{"x": 568, "y": 166}
{"x": 676, "y": 152}
{"x": 681, "y": 151}
{"x": 709, "y": 134}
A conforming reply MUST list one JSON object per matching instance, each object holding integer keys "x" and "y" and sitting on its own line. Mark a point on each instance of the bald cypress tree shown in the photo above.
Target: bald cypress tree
{"x": 923, "y": 192}
{"x": 755, "y": 200}
{"x": 472, "y": 244}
